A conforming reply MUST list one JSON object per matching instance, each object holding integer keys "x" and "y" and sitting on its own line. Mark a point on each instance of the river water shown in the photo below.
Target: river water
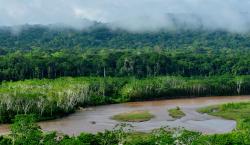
{"x": 95, "y": 119}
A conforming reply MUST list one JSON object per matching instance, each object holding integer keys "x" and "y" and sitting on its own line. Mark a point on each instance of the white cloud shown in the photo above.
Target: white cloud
{"x": 134, "y": 15}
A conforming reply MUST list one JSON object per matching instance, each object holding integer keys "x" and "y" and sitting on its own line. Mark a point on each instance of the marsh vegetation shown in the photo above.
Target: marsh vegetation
{"x": 49, "y": 98}
{"x": 176, "y": 113}
{"x": 134, "y": 116}
{"x": 234, "y": 111}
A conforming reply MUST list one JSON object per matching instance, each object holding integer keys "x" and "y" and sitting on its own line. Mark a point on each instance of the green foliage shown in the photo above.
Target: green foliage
{"x": 235, "y": 111}
{"x": 47, "y": 98}
{"x": 188, "y": 137}
{"x": 176, "y": 113}
{"x": 88, "y": 138}
{"x": 203, "y": 62}
{"x": 100, "y": 36}
{"x": 50, "y": 138}
{"x": 234, "y": 138}
{"x": 24, "y": 131}
{"x": 21, "y": 65}
{"x": 134, "y": 116}
{"x": 5, "y": 141}
{"x": 171, "y": 87}
{"x": 41, "y": 52}
{"x": 54, "y": 98}
{"x": 162, "y": 137}
{"x": 138, "y": 138}
{"x": 71, "y": 141}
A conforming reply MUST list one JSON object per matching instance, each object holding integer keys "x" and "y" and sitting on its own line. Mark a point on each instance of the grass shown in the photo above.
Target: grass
{"x": 133, "y": 116}
{"x": 176, "y": 113}
{"x": 233, "y": 111}
{"x": 55, "y": 97}
{"x": 138, "y": 138}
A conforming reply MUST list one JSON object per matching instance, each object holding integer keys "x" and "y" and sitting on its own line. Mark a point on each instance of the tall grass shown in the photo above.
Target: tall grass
{"x": 52, "y": 98}
{"x": 172, "y": 87}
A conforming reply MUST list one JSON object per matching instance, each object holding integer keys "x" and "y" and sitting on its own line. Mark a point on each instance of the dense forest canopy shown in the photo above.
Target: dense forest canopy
{"x": 58, "y": 57}
{"x": 100, "y": 36}
{"x": 37, "y": 51}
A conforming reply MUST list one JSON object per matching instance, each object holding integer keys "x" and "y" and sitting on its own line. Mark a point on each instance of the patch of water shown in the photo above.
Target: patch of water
{"x": 82, "y": 120}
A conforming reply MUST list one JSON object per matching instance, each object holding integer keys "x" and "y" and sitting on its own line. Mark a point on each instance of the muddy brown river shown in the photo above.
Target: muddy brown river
{"x": 95, "y": 119}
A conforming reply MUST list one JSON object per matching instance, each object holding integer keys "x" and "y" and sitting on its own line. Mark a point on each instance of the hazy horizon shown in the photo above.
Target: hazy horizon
{"x": 141, "y": 15}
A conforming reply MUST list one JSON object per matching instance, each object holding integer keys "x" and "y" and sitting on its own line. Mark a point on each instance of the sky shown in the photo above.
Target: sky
{"x": 132, "y": 15}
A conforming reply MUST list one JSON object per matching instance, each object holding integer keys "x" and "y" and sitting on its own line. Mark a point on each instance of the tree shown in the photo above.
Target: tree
{"x": 24, "y": 131}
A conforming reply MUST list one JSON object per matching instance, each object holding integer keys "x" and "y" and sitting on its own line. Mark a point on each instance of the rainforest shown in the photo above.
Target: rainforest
{"x": 50, "y": 74}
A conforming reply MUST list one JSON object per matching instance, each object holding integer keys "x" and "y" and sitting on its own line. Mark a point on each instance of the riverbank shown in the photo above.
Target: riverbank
{"x": 51, "y": 98}
{"x": 25, "y": 131}
{"x": 234, "y": 111}
{"x": 82, "y": 120}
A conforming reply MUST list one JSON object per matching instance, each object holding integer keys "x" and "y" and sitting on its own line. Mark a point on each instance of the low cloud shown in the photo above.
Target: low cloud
{"x": 132, "y": 15}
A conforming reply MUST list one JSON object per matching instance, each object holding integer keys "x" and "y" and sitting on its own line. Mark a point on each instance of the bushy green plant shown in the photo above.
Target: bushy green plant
{"x": 24, "y": 131}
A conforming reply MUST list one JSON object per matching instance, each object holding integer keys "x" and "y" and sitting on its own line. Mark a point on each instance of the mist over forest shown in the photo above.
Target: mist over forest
{"x": 64, "y": 58}
{"x": 130, "y": 15}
